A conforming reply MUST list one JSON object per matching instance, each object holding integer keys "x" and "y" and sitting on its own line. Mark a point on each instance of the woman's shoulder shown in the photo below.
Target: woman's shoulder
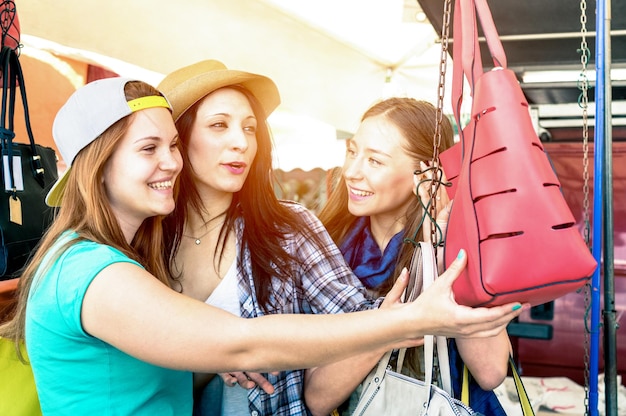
{"x": 91, "y": 252}
{"x": 72, "y": 264}
{"x": 88, "y": 247}
{"x": 293, "y": 205}
{"x": 305, "y": 214}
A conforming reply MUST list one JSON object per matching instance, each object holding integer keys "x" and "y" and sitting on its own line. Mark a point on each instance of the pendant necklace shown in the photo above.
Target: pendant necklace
{"x": 198, "y": 240}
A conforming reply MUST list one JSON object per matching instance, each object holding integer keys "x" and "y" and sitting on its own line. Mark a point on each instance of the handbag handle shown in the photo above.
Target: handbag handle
{"x": 527, "y": 408}
{"x": 12, "y": 72}
{"x": 427, "y": 263}
{"x": 466, "y": 54}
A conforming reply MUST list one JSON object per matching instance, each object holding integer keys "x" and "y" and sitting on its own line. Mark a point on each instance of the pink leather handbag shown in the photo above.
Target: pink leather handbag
{"x": 508, "y": 212}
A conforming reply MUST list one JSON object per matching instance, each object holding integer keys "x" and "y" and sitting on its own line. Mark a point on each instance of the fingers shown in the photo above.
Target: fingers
{"x": 444, "y": 178}
{"x": 455, "y": 269}
{"x": 261, "y": 381}
{"x": 442, "y": 194}
{"x": 444, "y": 213}
{"x": 230, "y": 379}
{"x": 453, "y": 320}
{"x": 424, "y": 181}
{"x": 247, "y": 380}
{"x": 494, "y": 319}
{"x": 487, "y": 321}
{"x": 395, "y": 295}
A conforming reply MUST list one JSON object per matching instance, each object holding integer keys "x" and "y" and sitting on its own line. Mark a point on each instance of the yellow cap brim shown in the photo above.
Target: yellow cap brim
{"x": 55, "y": 196}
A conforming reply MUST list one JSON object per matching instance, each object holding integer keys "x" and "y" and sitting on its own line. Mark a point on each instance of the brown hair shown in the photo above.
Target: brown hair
{"x": 267, "y": 222}
{"x": 86, "y": 210}
{"x": 416, "y": 120}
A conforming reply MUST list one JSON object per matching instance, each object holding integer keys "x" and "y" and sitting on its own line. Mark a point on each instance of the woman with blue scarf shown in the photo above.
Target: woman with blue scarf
{"x": 372, "y": 214}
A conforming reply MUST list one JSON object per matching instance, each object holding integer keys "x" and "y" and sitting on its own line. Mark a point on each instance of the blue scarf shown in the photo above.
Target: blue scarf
{"x": 364, "y": 256}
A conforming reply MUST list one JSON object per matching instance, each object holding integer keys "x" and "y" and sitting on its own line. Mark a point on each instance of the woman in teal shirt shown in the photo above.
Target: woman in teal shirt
{"x": 104, "y": 331}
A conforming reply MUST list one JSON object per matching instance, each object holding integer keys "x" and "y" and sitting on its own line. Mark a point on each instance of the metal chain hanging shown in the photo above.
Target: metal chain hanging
{"x": 437, "y": 174}
{"x": 583, "y": 102}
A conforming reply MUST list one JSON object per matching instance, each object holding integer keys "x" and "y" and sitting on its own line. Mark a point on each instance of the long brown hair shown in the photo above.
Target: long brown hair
{"x": 416, "y": 120}
{"x": 267, "y": 221}
{"x": 86, "y": 210}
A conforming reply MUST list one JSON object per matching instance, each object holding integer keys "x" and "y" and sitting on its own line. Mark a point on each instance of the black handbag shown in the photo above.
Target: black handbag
{"x": 28, "y": 172}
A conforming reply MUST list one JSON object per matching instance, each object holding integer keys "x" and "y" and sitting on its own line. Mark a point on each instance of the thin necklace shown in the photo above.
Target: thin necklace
{"x": 198, "y": 240}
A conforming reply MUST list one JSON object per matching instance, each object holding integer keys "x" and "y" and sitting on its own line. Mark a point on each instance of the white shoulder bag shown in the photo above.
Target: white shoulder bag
{"x": 389, "y": 393}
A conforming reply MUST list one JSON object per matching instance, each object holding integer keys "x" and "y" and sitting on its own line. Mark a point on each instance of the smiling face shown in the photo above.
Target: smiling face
{"x": 222, "y": 143}
{"x": 378, "y": 172}
{"x": 140, "y": 174}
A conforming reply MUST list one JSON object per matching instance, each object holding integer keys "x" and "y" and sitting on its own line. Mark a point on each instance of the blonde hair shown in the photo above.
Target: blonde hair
{"x": 87, "y": 211}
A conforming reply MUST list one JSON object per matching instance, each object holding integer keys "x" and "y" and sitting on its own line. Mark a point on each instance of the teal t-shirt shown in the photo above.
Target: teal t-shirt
{"x": 77, "y": 374}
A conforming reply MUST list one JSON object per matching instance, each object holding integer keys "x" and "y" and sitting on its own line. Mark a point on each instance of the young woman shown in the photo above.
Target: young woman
{"x": 104, "y": 332}
{"x": 233, "y": 244}
{"x": 372, "y": 212}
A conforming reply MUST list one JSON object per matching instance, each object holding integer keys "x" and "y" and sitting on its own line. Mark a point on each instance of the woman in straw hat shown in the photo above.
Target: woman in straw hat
{"x": 104, "y": 332}
{"x": 233, "y": 244}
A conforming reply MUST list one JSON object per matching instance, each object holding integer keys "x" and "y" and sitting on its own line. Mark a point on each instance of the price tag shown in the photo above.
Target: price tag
{"x": 15, "y": 210}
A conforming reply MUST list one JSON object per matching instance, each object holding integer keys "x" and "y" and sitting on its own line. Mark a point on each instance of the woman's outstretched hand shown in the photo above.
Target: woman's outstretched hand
{"x": 437, "y": 309}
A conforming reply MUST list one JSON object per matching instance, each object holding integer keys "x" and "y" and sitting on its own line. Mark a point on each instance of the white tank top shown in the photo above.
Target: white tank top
{"x": 226, "y": 296}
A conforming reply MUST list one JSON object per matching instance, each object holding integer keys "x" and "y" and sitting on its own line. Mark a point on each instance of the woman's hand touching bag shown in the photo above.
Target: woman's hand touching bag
{"x": 439, "y": 314}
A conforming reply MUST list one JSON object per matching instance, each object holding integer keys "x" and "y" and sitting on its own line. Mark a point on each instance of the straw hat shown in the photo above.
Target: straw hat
{"x": 188, "y": 85}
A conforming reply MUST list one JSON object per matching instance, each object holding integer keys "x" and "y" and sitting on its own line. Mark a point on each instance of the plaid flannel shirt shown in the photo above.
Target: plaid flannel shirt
{"x": 324, "y": 284}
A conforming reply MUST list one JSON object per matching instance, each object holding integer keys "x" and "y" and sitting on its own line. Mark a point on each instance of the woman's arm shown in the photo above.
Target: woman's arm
{"x": 126, "y": 307}
{"x": 328, "y": 386}
{"x": 487, "y": 359}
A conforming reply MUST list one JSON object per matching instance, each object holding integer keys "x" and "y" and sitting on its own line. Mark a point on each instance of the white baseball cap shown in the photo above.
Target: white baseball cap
{"x": 88, "y": 113}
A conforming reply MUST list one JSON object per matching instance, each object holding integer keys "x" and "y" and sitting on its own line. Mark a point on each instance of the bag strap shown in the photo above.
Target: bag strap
{"x": 491, "y": 33}
{"x": 12, "y": 73}
{"x": 382, "y": 367}
{"x": 412, "y": 291}
{"x": 466, "y": 54}
{"x": 527, "y": 408}
{"x": 6, "y": 131}
{"x": 429, "y": 275}
{"x": 6, "y": 134}
{"x": 465, "y": 386}
{"x": 424, "y": 260}
{"x": 443, "y": 361}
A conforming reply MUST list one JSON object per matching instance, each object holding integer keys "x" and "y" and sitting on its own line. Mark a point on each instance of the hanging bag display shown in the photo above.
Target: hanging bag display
{"x": 390, "y": 393}
{"x": 28, "y": 171}
{"x": 508, "y": 212}
{"x": 10, "y": 25}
